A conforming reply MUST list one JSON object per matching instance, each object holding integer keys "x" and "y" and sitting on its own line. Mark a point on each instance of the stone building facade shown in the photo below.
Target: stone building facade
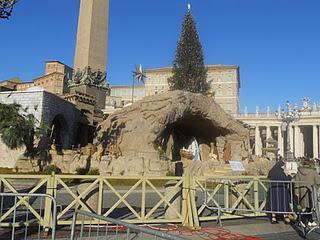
{"x": 304, "y": 133}
{"x": 224, "y": 80}
{"x": 51, "y": 110}
{"x": 125, "y": 93}
{"x": 55, "y": 79}
{"x": 10, "y": 84}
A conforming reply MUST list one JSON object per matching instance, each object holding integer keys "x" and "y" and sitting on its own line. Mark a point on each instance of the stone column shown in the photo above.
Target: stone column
{"x": 301, "y": 143}
{"x": 315, "y": 141}
{"x": 280, "y": 141}
{"x": 297, "y": 142}
{"x": 268, "y": 134}
{"x": 257, "y": 142}
{"x": 291, "y": 138}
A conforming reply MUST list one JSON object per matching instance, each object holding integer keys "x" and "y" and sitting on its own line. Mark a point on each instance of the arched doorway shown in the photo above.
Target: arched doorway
{"x": 59, "y": 131}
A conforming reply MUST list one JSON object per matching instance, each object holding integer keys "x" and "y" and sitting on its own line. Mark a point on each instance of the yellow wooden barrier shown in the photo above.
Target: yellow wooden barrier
{"x": 139, "y": 186}
{"x": 6, "y": 182}
{"x": 63, "y": 187}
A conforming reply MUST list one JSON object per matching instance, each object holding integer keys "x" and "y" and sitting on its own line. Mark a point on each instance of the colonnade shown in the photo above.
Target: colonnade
{"x": 304, "y": 139}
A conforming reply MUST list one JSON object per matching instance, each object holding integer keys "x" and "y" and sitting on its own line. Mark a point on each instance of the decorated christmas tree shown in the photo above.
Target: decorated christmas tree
{"x": 189, "y": 71}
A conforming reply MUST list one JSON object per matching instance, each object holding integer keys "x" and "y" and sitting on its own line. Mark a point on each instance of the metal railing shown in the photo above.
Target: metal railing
{"x": 258, "y": 197}
{"x": 24, "y": 215}
{"x": 110, "y": 228}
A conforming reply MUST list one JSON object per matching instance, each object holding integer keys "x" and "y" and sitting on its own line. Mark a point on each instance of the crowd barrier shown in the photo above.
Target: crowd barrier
{"x": 22, "y": 215}
{"x": 145, "y": 199}
{"x": 110, "y": 228}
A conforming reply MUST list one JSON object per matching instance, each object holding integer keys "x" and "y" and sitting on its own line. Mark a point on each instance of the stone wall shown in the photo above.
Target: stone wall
{"x": 8, "y": 157}
{"x": 31, "y": 100}
{"x": 53, "y": 106}
{"x": 45, "y": 106}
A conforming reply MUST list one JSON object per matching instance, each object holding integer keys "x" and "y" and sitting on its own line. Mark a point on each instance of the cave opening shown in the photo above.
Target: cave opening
{"x": 181, "y": 133}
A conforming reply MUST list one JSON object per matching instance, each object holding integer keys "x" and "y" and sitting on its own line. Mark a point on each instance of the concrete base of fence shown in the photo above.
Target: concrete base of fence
{"x": 173, "y": 195}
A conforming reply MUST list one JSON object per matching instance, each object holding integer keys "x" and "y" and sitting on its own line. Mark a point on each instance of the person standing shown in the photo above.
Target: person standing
{"x": 279, "y": 193}
{"x": 307, "y": 176}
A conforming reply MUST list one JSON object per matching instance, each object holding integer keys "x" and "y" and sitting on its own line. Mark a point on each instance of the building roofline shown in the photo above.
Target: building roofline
{"x": 212, "y": 66}
{"x": 48, "y": 61}
{"x": 35, "y": 79}
{"x": 209, "y": 66}
{"x": 13, "y": 80}
{"x": 23, "y": 91}
{"x": 158, "y": 69}
{"x": 24, "y": 83}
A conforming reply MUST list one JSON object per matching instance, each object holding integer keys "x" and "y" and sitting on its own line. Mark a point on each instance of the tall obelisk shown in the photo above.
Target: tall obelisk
{"x": 91, "y": 51}
{"x": 92, "y": 35}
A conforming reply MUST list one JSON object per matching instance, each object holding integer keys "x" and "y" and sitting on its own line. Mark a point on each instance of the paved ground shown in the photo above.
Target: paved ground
{"x": 244, "y": 229}
{"x": 262, "y": 228}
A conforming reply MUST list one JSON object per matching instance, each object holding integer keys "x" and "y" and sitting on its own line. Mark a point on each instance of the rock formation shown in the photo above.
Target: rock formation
{"x": 142, "y": 137}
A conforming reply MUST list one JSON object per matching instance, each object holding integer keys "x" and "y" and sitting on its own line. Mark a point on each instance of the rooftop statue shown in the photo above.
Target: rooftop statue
{"x": 306, "y": 104}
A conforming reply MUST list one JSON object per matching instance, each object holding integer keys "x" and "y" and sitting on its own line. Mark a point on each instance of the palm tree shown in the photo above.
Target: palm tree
{"x": 17, "y": 127}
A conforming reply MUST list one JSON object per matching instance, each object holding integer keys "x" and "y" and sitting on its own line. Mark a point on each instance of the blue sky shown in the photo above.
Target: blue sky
{"x": 276, "y": 43}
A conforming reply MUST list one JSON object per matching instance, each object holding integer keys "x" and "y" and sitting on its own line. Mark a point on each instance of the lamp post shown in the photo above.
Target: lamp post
{"x": 6, "y": 7}
{"x": 288, "y": 117}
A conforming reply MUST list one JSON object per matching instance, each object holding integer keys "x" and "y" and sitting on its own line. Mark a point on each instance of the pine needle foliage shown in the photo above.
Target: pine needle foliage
{"x": 189, "y": 71}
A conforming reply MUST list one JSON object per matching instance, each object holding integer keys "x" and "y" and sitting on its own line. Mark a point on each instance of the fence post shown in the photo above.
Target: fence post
{"x": 226, "y": 192}
{"x": 100, "y": 197}
{"x": 256, "y": 195}
{"x": 48, "y": 203}
{"x": 196, "y": 223}
{"x": 184, "y": 210}
{"x": 189, "y": 206}
{"x": 143, "y": 198}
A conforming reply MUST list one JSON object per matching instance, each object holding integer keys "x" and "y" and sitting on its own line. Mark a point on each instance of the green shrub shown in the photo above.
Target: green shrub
{"x": 170, "y": 174}
{"x": 81, "y": 171}
{"x": 51, "y": 168}
{"x": 94, "y": 171}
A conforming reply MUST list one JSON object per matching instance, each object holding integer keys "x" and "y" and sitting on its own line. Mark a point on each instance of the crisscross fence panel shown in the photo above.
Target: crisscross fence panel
{"x": 27, "y": 184}
{"x": 235, "y": 196}
{"x": 135, "y": 199}
{"x": 141, "y": 199}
